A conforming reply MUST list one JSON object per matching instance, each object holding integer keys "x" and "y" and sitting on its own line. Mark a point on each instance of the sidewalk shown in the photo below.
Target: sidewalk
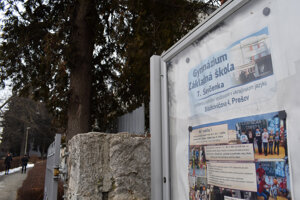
{"x": 9, "y": 185}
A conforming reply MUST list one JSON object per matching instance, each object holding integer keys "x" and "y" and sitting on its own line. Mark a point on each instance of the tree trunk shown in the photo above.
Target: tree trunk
{"x": 80, "y": 61}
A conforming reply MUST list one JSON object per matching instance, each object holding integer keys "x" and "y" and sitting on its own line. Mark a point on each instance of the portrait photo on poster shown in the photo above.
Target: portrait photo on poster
{"x": 252, "y": 163}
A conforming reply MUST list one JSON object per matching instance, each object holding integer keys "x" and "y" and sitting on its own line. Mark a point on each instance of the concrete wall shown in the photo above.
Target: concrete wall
{"x": 109, "y": 166}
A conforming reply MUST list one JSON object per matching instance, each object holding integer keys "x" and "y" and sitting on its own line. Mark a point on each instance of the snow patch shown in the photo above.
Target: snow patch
{"x": 14, "y": 170}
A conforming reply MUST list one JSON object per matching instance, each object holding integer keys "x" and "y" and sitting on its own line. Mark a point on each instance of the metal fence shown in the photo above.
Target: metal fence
{"x": 133, "y": 122}
{"x": 52, "y": 169}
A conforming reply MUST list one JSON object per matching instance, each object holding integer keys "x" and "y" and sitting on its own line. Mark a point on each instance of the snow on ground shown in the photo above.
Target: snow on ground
{"x": 16, "y": 169}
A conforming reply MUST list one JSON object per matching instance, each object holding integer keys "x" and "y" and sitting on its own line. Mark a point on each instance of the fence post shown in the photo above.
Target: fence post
{"x": 155, "y": 129}
{"x": 52, "y": 169}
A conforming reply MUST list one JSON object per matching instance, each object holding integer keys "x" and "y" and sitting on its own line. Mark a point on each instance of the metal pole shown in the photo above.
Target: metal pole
{"x": 26, "y": 140}
{"x": 165, "y": 134}
{"x": 155, "y": 129}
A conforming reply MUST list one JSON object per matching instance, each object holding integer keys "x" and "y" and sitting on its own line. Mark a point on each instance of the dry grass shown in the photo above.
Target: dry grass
{"x": 33, "y": 186}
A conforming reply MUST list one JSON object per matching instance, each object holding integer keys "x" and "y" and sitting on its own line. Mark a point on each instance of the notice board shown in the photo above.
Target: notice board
{"x": 232, "y": 104}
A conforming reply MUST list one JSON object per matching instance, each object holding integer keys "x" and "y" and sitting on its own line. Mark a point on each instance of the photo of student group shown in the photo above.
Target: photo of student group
{"x": 197, "y": 161}
{"x": 268, "y": 136}
{"x": 273, "y": 180}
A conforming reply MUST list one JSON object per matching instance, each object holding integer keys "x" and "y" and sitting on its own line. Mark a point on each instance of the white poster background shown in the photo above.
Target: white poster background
{"x": 284, "y": 34}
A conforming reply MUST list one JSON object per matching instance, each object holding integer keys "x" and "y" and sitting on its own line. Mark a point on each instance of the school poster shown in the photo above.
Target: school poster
{"x": 241, "y": 158}
{"x": 237, "y": 76}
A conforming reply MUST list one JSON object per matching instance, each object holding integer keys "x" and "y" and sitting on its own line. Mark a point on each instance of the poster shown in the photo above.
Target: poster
{"x": 252, "y": 164}
{"x": 233, "y": 77}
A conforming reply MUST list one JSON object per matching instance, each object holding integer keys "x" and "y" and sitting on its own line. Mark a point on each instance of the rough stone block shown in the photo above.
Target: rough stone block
{"x": 109, "y": 167}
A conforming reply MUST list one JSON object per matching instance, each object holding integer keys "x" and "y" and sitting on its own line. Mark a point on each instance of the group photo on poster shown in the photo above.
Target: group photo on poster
{"x": 268, "y": 137}
{"x": 273, "y": 180}
{"x": 249, "y": 162}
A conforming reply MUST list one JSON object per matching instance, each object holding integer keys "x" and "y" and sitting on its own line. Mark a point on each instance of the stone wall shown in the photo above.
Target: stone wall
{"x": 109, "y": 167}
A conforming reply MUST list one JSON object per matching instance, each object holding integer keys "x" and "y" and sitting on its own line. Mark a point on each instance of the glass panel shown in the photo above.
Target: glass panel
{"x": 237, "y": 73}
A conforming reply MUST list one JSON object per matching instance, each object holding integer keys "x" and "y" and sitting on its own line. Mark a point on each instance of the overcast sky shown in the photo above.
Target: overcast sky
{"x": 6, "y": 92}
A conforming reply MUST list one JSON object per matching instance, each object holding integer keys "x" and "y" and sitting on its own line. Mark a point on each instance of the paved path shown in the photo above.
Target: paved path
{"x": 9, "y": 185}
